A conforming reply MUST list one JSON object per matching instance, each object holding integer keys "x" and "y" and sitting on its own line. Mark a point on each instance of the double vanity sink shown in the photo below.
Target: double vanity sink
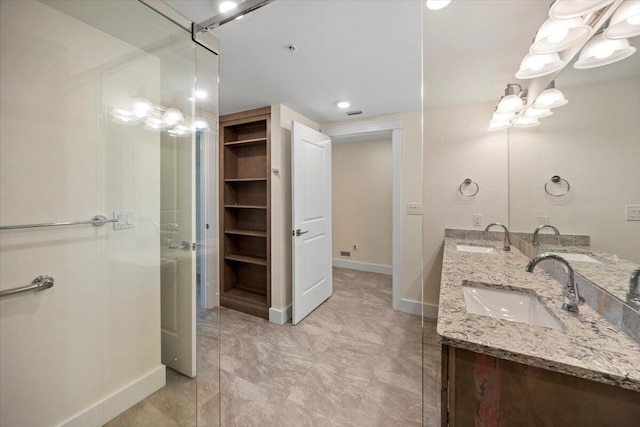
{"x": 508, "y": 343}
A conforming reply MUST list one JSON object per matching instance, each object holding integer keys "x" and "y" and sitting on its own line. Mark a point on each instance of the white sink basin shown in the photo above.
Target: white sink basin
{"x": 508, "y": 305}
{"x": 576, "y": 257}
{"x": 475, "y": 249}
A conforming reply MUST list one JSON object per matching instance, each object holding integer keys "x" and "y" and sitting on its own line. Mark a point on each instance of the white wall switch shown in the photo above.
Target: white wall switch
{"x": 414, "y": 208}
{"x": 477, "y": 220}
{"x": 543, "y": 220}
{"x": 126, "y": 219}
{"x": 632, "y": 212}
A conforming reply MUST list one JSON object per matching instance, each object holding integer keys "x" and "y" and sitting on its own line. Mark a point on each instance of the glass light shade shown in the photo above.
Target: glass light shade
{"x": 180, "y": 130}
{"x": 526, "y": 122}
{"x": 550, "y": 98}
{"x": 123, "y": 117}
{"x": 601, "y": 51}
{"x": 537, "y": 113}
{"x": 200, "y": 123}
{"x": 533, "y": 65}
{"x": 141, "y": 107}
{"x": 625, "y": 22}
{"x": 172, "y": 116}
{"x": 510, "y": 104}
{"x": 499, "y": 124}
{"x": 557, "y": 35}
{"x": 565, "y": 9}
{"x": 500, "y": 117}
{"x": 437, "y": 4}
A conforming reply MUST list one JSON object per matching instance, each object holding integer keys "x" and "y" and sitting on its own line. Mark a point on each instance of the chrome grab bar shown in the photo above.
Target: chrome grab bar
{"x": 40, "y": 283}
{"x": 96, "y": 221}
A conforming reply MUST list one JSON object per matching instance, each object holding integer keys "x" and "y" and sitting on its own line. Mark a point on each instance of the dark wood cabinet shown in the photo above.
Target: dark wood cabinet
{"x": 245, "y": 211}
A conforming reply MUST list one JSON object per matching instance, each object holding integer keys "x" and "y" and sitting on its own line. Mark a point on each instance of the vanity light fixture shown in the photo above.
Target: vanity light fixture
{"x": 534, "y": 65}
{"x": 526, "y": 122}
{"x": 200, "y": 123}
{"x": 556, "y": 35}
{"x": 512, "y": 101}
{"x": 565, "y": 9}
{"x": 123, "y": 117}
{"x": 141, "y": 107}
{"x": 499, "y": 124}
{"x": 600, "y": 51}
{"x": 172, "y": 116}
{"x": 343, "y": 104}
{"x": 537, "y": 113}
{"x": 550, "y": 98}
{"x": 625, "y": 22}
{"x": 437, "y": 4}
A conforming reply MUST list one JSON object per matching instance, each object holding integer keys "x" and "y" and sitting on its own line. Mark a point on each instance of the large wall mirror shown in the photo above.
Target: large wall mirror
{"x": 593, "y": 145}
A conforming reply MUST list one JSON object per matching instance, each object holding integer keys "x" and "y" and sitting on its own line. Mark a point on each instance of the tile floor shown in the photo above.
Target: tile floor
{"x": 354, "y": 362}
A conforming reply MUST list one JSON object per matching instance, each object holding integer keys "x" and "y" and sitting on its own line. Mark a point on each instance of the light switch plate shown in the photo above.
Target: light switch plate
{"x": 126, "y": 219}
{"x": 414, "y": 208}
{"x": 632, "y": 212}
{"x": 543, "y": 220}
{"x": 477, "y": 220}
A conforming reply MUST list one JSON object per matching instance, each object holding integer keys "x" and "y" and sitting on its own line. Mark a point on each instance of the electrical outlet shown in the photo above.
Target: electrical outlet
{"x": 543, "y": 220}
{"x": 632, "y": 212}
{"x": 355, "y": 246}
{"x": 414, "y": 208}
{"x": 477, "y": 220}
{"x": 345, "y": 253}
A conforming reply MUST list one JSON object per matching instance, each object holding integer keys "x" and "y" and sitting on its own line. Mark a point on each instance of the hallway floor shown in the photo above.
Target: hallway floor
{"x": 354, "y": 362}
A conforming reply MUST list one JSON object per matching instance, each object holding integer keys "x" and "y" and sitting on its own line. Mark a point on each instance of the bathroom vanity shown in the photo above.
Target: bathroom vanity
{"x": 567, "y": 369}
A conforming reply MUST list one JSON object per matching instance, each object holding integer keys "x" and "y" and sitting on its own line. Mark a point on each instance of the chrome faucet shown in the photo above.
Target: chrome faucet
{"x": 507, "y": 239}
{"x": 634, "y": 292}
{"x": 536, "y": 238}
{"x": 570, "y": 295}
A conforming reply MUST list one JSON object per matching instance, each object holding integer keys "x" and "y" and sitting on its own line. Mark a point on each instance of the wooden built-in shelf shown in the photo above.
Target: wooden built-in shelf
{"x": 251, "y": 233}
{"x": 244, "y": 179}
{"x": 246, "y": 259}
{"x": 246, "y": 142}
{"x": 245, "y": 199}
{"x": 245, "y": 207}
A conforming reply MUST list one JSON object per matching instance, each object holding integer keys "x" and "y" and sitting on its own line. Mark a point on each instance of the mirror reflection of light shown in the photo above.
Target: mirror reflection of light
{"x": 141, "y": 107}
{"x": 226, "y": 6}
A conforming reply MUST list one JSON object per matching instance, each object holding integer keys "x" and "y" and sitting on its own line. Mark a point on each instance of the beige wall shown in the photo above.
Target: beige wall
{"x": 281, "y": 118}
{"x": 593, "y": 142}
{"x": 98, "y": 329}
{"x": 411, "y": 188}
{"x": 457, "y": 145}
{"x": 362, "y": 191}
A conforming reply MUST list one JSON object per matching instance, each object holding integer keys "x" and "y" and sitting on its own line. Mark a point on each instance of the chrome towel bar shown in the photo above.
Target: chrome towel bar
{"x": 40, "y": 283}
{"x": 96, "y": 221}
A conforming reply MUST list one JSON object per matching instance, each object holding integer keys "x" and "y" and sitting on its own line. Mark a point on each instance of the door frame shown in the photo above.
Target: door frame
{"x": 395, "y": 127}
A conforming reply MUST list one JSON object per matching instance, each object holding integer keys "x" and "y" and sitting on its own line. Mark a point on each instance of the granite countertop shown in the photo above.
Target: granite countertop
{"x": 610, "y": 273}
{"x": 588, "y": 346}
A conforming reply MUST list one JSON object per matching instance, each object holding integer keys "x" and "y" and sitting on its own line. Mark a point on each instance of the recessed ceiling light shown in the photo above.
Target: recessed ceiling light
{"x": 343, "y": 104}
{"x": 437, "y": 4}
{"x": 226, "y": 6}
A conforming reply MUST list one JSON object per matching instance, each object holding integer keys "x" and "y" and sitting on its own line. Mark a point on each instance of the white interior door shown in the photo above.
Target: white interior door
{"x": 178, "y": 272}
{"x": 311, "y": 194}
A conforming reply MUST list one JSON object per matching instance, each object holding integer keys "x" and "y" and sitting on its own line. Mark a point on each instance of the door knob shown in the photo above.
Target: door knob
{"x": 300, "y": 232}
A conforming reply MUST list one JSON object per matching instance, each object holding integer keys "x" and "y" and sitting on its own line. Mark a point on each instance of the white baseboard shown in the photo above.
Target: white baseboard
{"x": 416, "y": 307}
{"x": 363, "y": 266}
{"x": 280, "y": 317}
{"x": 118, "y": 402}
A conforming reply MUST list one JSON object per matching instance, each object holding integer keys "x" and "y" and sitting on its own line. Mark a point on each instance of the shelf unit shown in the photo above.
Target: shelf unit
{"x": 245, "y": 198}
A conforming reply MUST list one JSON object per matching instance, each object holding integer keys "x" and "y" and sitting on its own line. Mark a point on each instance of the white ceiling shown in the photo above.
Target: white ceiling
{"x": 370, "y": 52}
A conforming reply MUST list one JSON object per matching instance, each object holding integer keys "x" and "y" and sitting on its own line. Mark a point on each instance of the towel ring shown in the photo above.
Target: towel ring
{"x": 556, "y": 179}
{"x": 468, "y": 182}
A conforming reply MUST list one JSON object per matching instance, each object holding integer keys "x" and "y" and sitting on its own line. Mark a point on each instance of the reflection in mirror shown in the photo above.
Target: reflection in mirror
{"x": 592, "y": 144}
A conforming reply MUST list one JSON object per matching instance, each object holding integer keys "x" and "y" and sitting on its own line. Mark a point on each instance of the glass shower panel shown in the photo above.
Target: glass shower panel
{"x": 96, "y": 118}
